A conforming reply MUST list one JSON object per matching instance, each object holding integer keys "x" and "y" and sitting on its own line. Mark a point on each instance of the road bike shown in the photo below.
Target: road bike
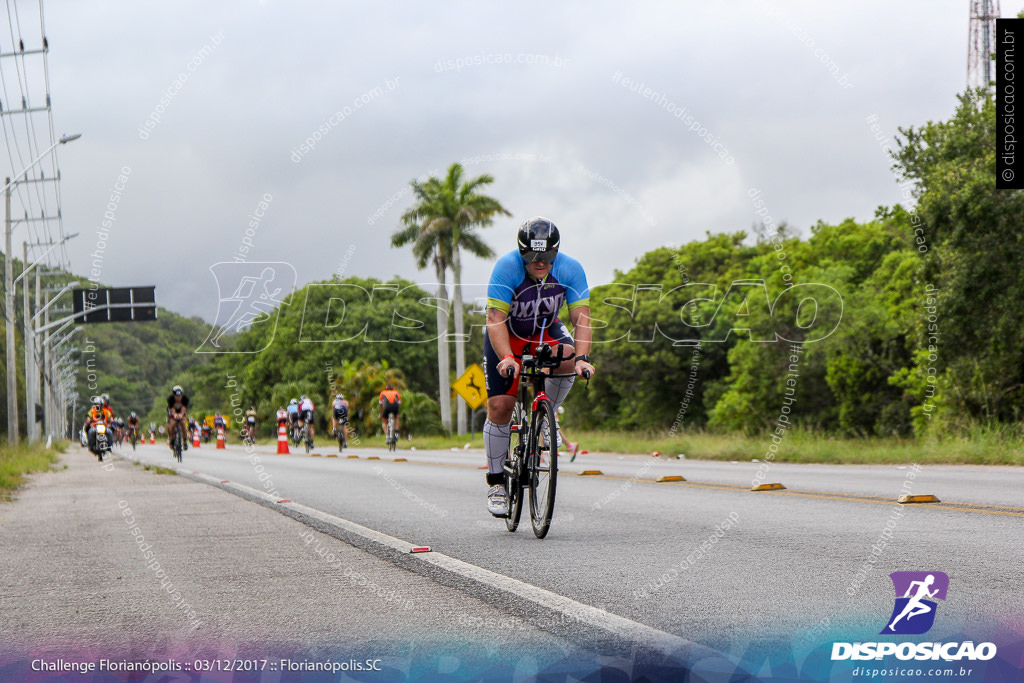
{"x": 532, "y": 463}
{"x": 304, "y": 437}
{"x": 247, "y": 433}
{"x": 133, "y": 436}
{"x": 392, "y": 435}
{"x": 339, "y": 434}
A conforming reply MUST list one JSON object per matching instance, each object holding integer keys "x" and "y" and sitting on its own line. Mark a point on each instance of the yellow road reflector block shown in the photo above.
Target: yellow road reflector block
{"x": 587, "y": 472}
{"x": 314, "y": 455}
{"x": 918, "y": 499}
{"x": 332, "y": 455}
{"x": 767, "y": 487}
{"x": 373, "y": 457}
{"x": 354, "y": 456}
{"x": 670, "y": 477}
{"x": 399, "y": 460}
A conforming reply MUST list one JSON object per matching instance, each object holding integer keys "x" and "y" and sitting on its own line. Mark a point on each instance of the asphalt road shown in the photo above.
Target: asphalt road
{"x": 774, "y": 565}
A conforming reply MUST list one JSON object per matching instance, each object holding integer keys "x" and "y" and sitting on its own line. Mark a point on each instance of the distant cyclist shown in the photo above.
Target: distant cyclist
{"x": 306, "y": 410}
{"x": 340, "y": 419}
{"x": 177, "y": 413}
{"x": 250, "y": 421}
{"x": 390, "y": 402}
{"x": 282, "y": 417}
{"x": 118, "y": 429}
{"x": 293, "y": 419}
{"x": 133, "y": 425}
{"x": 219, "y": 423}
{"x": 527, "y": 288}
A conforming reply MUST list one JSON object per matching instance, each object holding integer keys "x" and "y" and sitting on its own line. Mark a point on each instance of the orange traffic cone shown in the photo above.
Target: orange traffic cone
{"x": 152, "y": 438}
{"x": 195, "y": 438}
{"x": 282, "y": 440}
{"x": 220, "y": 438}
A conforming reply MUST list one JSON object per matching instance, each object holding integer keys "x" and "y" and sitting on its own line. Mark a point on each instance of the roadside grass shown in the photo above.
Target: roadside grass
{"x": 981, "y": 446}
{"x": 18, "y": 461}
{"x": 978, "y": 446}
{"x": 158, "y": 469}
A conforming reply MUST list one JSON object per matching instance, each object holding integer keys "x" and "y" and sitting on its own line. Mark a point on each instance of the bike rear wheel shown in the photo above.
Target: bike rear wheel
{"x": 542, "y": 467}
{"x": 392, "y": 436}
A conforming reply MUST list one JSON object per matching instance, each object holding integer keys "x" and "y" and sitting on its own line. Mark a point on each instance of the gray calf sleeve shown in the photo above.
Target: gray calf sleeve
{"x": 557, "y": 388}
{"x": 496, "y": 441}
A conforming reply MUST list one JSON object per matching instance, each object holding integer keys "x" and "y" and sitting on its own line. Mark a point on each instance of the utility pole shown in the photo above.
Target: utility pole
{"x": 47, "y": 378}
{"x": 12, "y": 370}
{"x": 28, "y": 338}
{"x": 981, "y": 43}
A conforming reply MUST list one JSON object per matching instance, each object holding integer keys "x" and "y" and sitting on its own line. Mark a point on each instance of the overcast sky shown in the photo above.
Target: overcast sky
{"x": 535, "y": 93}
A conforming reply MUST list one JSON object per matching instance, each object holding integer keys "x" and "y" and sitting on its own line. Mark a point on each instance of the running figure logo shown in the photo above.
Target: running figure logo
{"x": 914, "y": 612}
{"x": 249, "y": 294}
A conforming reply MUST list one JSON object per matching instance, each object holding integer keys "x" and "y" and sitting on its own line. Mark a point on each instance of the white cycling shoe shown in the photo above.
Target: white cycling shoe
{"x": 544, "y": 434}
{"x": 497, "y": 501}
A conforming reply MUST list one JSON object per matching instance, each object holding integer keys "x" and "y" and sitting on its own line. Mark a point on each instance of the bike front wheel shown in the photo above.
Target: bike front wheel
{"x": 542, "y": 467}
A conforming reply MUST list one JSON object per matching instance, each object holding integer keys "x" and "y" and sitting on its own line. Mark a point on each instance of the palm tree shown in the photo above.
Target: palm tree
{"x": 444, "y": 220}
{"x": 427, "y": 249}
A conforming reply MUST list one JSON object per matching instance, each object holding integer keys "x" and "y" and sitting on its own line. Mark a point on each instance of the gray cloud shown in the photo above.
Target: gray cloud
{"x": 619, "y": 172}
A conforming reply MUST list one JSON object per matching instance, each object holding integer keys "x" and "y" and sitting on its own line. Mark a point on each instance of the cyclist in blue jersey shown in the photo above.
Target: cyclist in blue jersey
{"x": 527, "y": 288}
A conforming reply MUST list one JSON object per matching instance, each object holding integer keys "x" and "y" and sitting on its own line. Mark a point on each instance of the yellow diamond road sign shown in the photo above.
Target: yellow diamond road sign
{"x": 471, "y": 386}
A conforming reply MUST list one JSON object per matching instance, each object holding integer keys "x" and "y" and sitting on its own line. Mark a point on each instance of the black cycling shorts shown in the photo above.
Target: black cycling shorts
{"x": 388, "y": 408}
{"x": 496, "y": 385}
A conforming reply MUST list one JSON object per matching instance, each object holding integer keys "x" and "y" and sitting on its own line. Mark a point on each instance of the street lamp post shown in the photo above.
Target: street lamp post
{"x": 33, "y": 394}
{"x": 48, "y": 413}
{"x": 12, "y": 371}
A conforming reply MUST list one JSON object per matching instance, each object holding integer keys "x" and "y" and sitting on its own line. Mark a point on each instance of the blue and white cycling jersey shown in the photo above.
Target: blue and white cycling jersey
{"x": 528, "y": 302}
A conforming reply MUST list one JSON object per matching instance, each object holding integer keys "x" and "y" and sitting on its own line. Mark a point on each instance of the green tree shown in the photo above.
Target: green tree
{"x": 323, "y": 332}
{"x": 429, "y": 248}
{"x": 972, "y": 238}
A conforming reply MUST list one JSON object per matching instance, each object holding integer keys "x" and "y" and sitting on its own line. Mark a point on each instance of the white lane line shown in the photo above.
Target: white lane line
{"x": 578, "y": 611}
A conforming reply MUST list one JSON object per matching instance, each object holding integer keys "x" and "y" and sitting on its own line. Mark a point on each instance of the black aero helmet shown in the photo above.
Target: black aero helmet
{"x": 538, "y": 240}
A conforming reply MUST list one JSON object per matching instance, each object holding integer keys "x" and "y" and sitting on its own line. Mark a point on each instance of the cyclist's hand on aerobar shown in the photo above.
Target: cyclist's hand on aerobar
{"x": 507, "y": 367}
{"x": 584, "y": 369}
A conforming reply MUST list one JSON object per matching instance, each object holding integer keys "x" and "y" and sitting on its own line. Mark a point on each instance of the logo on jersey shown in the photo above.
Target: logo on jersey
{"x": 249, "y": 294}
{"x": 914, "y": 611}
